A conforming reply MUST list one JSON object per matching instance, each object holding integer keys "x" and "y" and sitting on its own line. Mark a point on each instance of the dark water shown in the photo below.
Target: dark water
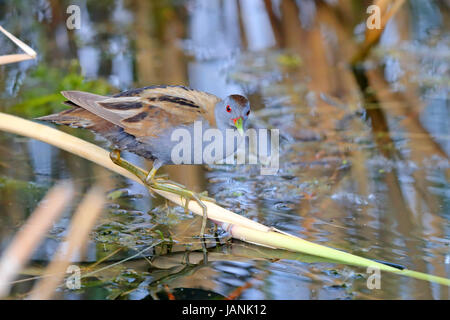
{"x": 357, "y": 172}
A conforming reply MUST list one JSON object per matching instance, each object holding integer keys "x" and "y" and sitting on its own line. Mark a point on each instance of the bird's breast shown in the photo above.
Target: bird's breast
{"x": 197, "y": 143}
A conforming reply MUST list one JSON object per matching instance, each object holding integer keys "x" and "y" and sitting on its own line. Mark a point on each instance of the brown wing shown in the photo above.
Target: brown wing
{"x": 159, "y": 107}
{"x": 141, "y": 112}
{"x": 82, "y": 118}
{"x": 177, "y": 100}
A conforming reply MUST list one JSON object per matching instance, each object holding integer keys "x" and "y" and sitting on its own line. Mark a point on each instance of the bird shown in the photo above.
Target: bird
{"x": 143, "y": 120}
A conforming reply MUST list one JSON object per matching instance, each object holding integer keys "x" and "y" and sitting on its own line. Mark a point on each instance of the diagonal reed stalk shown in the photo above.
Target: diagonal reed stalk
{"x": 82, "y": 223}
{"x": 239, "y": 227}
{"x": 29, "y": 236}
{"x": 11, "y": 58}
{"x": 388, "y": 8}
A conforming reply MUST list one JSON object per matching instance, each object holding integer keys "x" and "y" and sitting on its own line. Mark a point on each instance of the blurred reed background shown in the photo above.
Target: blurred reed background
{"x": 364, "y": 115}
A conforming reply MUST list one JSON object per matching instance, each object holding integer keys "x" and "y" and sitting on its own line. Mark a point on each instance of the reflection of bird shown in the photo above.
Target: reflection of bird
{"x": 142, "y": 121}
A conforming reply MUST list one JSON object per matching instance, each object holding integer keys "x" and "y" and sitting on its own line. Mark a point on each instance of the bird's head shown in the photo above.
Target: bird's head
{"x": 232, "y": 113}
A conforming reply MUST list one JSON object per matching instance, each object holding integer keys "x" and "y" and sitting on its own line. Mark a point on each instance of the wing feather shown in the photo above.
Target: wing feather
{"x": 143, "y": 112}
{"x": 178, "y": 100}
{"x": 89, "y": 101}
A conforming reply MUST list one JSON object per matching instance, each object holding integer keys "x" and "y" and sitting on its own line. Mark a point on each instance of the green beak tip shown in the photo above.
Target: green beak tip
{"x": 238, "y": 125}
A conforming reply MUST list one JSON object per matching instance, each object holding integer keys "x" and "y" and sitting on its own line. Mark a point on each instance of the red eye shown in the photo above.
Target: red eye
{"x": 228, "y": 109}
{"x": 248, "y": 112}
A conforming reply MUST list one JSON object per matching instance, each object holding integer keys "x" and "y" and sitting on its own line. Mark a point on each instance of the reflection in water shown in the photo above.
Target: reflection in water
{"x": 122, "y": 61}
{"x": 214, "y": 46}
{"x": 88, "y": 54}
{"x": 364, "y": 161}
{"x": 258, "y": 31}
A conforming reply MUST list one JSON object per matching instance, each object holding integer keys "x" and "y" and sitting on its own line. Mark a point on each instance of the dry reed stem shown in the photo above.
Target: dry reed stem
{"x": 100, "y": 156}
{"x": 82, "y": 223}
{"x": 29, "y": 53}
{"x": 238, "y": 226}
{"x": 29, "y": 236}
{"x": 373, "y": 35}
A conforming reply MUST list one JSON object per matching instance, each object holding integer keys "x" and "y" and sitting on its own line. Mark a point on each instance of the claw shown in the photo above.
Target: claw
{"x": 179, "y": 185}
{"x": 158, "y": 182}
{"x": 186, "y": 204}
{"x": 115, "y": 156}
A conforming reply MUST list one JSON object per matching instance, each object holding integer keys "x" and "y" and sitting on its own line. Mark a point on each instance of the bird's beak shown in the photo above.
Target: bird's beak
{"x": 238, "y": 122}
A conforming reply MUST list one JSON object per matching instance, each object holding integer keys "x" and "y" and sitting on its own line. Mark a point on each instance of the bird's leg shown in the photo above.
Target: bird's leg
{"x": 150, "y": 179}
{"x": 188, "y": 196}
{"x": 162, "y": 176}
{"x": 150, "y": 176}
{"x": 138, "y": 172}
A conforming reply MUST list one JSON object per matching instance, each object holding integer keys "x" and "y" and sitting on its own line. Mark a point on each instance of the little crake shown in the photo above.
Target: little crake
{"x": 142, "y": 120}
